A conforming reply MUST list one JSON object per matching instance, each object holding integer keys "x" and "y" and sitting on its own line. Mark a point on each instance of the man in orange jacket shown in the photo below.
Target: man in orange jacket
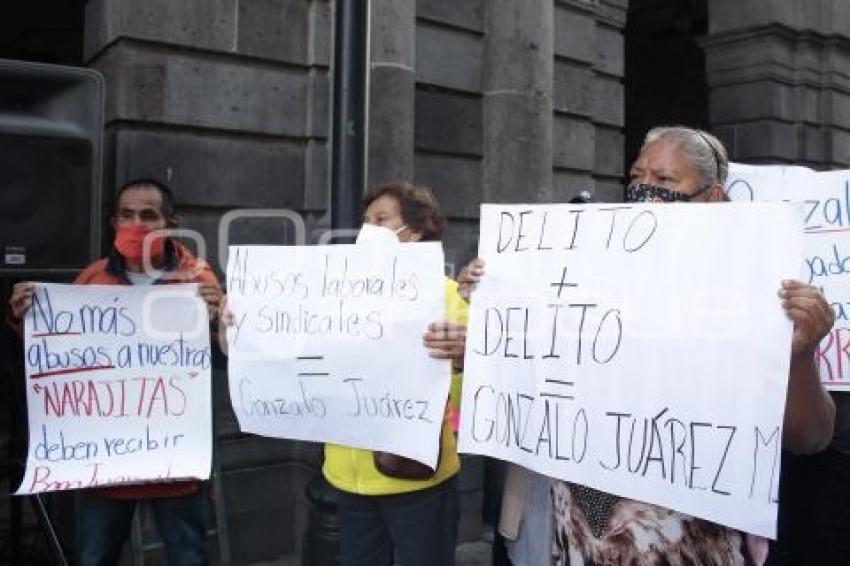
{"x": 103, "y": 515}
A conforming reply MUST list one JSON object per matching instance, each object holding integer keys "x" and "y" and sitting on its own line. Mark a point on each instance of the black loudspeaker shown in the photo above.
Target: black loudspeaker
{"x": 51, "y": 153}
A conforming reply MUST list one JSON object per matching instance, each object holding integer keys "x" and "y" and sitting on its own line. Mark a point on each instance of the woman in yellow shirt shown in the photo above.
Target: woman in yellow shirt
{"x": 382, "y": 517}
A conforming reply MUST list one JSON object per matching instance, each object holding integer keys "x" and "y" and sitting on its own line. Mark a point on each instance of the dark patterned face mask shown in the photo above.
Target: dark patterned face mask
{"x": 651, "y": 193}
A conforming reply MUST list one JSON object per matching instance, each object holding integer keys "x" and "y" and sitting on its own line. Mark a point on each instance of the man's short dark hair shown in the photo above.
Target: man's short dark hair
{"x": 168, "y": 207}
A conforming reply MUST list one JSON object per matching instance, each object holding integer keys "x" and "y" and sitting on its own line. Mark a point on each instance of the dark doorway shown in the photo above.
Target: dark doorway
{"x": 43, "y": 30}
{"x": 665, "y": 68}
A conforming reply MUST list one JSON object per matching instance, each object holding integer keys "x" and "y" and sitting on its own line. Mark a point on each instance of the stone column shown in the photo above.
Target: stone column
{"x": 779, "y": 79}
{"x": 518, "y": 66}
{"x": 391, "y": 91}
{"x": 589, "y": 107}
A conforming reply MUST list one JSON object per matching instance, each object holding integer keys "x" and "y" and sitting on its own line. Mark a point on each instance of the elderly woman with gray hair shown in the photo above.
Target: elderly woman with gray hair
{"x": 679, "y": 164}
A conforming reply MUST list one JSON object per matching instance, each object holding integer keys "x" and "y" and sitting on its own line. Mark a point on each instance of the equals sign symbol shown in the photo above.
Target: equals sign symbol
{"x": 560, "y": 384}
{"x": 311, "y": 373}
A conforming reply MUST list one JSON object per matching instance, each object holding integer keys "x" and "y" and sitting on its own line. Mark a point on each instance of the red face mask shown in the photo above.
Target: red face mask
{"x": 130, "y": 239}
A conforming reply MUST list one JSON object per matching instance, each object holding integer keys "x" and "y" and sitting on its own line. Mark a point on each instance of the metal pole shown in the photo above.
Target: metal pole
{"x": 350, "y": 96}
{"x": 348, "y": 181}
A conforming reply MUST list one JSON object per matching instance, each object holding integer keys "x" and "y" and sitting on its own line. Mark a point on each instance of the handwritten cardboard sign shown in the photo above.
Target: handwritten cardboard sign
{"x": 327, "y": 344}
{"x": 118, "y": 386}
{"x": 826, "y": 211}
{"x": 637, "y": 349}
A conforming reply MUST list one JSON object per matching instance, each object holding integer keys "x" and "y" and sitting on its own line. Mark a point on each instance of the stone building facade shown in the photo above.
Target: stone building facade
{"x": 485, "y": 100}
{"x": 779, "y": 76}
{"x": 228, "y": 101}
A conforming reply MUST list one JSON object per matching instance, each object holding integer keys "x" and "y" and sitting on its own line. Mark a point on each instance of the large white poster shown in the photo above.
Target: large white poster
{"x": 638, "y": 349}
{"x": 117, "y": 385}
{"x": 327, "y": 344}
{"x": 826, "y": 202}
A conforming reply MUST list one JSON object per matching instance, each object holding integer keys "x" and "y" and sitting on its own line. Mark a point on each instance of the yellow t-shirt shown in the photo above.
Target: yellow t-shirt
{"x": 353, "y": 470}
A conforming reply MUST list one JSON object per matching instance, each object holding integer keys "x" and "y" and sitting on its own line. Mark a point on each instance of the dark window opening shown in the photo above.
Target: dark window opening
{"x": 44, "y": 31}
{"x": 665, "y": 68}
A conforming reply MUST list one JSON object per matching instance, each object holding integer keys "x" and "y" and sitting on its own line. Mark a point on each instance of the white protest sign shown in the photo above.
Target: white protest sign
{"x": 826, "y": 202}
{"x": 118, "y": 386}
{"x": 327, "y": 344}
{"x": 638, "y": 349}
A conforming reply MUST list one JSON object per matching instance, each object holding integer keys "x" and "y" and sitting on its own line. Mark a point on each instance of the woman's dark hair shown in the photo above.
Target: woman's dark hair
{"x": 419, "y": 207}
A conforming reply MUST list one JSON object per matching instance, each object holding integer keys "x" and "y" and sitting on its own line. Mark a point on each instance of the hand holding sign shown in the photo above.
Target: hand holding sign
{"x": 446, "y": 341}
{"x": 211, "y": 294}
{"x": 469, "y": 277}
{"x": 810, "y": 312}
{"x": 21, "y": 299}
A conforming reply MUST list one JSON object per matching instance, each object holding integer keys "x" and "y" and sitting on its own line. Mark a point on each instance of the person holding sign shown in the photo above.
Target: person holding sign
{"x": 678, "y": 164}
{"x": 525, "y": 538}
{"x": 103, "y": 515}
{"x": 392, "y": 508}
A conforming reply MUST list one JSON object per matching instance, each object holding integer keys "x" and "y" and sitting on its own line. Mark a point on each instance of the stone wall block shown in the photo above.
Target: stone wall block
{"x": 610, "y": 51}
{"x": 215, "y": 170}
{"x": 456, "y": 182}
{"x": 574, "y": 143}
{"x": 178, "y": 88}
{"x": 274, "y": 29}
{"x": 391, "y": 124}
{"x": 609, "y": 102}
{"x": 575, "y": 34}
{"x": 467, "y": 14}
{"x": 448, "y": 123}
{"x": 574, "y": 88}
{"x": 609, "y": 151}
{"x": 448, "y": 58}
{"x": 204, "y": 24}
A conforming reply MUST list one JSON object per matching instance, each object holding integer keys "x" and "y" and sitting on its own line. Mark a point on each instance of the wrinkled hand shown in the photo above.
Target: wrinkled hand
{"x": 21, "y": 299}
{"x": 446, "y": 341}
{"x": 211, "y": 295}
{"x": 469, "y": 278}
{"x": 812, "y": 316}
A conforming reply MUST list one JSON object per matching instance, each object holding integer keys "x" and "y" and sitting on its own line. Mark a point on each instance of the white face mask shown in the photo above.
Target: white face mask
{"x": 373, "y": 234}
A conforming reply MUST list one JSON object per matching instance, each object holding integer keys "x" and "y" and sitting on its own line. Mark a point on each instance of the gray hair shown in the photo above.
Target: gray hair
{"x": 702, "y": 150}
